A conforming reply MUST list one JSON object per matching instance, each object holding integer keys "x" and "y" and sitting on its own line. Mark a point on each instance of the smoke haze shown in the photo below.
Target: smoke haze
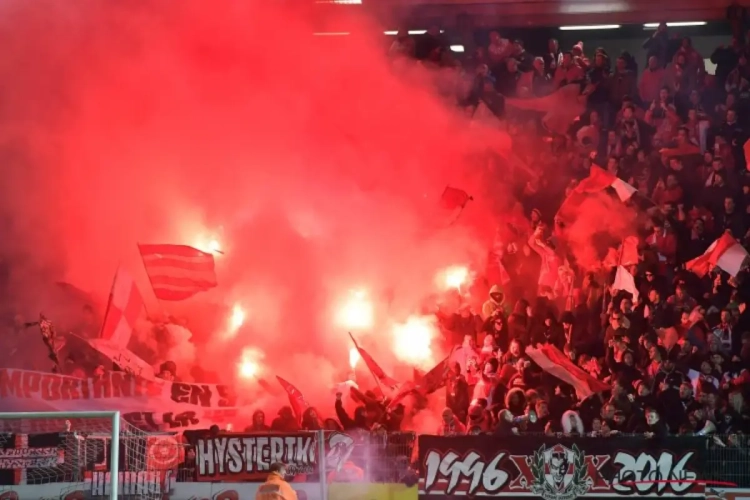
{"x": 316, "y": 166}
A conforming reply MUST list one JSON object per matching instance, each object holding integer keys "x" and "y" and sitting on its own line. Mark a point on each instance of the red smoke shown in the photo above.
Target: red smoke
{"x": 315, "y": 163}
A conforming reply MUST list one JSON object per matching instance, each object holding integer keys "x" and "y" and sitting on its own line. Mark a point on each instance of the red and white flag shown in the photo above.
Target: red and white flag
{"x": 177, "y": 272}
{"x": 124, "y": 308}
{"x": 599, "y": 179}
{"x": 551, "y": 360}
{"x": 725, "y": 253}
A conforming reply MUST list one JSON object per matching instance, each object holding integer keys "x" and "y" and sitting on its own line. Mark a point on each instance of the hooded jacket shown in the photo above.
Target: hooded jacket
{"x": 490, "y": 306}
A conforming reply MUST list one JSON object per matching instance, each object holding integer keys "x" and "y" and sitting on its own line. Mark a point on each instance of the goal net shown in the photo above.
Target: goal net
{"x": 83, "y": 455}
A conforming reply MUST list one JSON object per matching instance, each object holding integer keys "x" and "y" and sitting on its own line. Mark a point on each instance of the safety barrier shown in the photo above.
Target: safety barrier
{"x": 331, "y": 465}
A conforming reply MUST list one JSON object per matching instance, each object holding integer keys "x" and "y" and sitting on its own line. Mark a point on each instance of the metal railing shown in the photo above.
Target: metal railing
{"x": 380, "y": 457}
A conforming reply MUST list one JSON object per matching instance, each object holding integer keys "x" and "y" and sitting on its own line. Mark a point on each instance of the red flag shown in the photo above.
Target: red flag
{"x": 598, "y": 180}
{"x": 435, "y": 378}
{"x": 724, "y": 253}
{"x": 453, "y": 198}
{"x": 123, "y": 309}
{"x": 550, "y": 359}
{"x": 178, "y": 272}
{"x": 425, "y": 384}
{"x": 296, "y": 399}
{"x": 629, "y": 249}
{"x": 682, "y": 150}
{"x": 560, "y": 107}
{"x": 374, "y": 368}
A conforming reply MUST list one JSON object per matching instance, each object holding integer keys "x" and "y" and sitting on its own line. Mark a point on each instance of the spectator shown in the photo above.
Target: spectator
{"x": 568, "y": 71}
{"x": 499, "y": 48}
{"x": 658, "y": 44}
{"x": 651, "y": 80}
{"x": 508, "y": 78}
{"x": 553, "y": 58}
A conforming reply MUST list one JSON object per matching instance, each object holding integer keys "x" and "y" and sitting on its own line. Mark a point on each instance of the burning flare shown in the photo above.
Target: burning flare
{"x": 208, "y": 244}
{"x": 413, "y": 340}
{"x": 248, "y": 369}
{"x": 237, "y": 319}
{"x": 357, "y": 312}
{"x": 354, "y": 357}
{"x": 249, "y": 365}
{"x": 453, "y": 277}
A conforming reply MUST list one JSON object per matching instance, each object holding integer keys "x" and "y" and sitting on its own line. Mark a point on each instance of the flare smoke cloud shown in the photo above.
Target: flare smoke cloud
{"x": 312, "y": 159}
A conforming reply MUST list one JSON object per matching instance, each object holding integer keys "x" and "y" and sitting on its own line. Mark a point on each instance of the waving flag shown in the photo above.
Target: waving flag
{"x": 725, "y": 253}
{"x": 625, "y": 281}
{"x": 551, "y": 360}
{"x": 560, "y": 108}
{"x": 296, "y": 399}
{"x": 453, "y": 198}
{"x": 374, "y": 368}
{"x": 123, "y": 309}
{"x": 629, "y": 251}
{"x": 599, "y": 179}
{"x": 178, "y": 272}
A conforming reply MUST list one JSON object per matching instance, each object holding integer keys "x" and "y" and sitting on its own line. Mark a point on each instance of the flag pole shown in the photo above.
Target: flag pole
{"x": 368, "y": 366}
{"x": 109, "y": 302}
{"x": 458, "y": 215}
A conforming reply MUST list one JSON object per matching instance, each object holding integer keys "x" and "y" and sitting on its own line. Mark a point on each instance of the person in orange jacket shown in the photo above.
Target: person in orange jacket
{"x": 275, "y": 487}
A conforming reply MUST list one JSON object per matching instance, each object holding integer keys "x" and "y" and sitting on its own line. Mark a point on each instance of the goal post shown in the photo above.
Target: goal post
{"x": 84, "y": 454}
{"x": 112, "y": 416}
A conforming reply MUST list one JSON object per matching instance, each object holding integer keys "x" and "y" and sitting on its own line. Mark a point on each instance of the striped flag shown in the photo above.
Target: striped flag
{"x": 178, "y": 272}
{"x": 551, "y": 360}
{"x": 123, "y": 309}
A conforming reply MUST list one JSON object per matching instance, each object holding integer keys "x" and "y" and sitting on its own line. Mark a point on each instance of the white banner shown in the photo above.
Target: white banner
{"x": 149, "y": 404}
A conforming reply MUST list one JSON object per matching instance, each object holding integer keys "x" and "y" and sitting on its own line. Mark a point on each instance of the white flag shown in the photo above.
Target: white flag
{"x": 625, "y": 281}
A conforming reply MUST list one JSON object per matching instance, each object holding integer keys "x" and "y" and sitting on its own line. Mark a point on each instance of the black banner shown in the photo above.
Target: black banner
{"x": 240, "y": 457}
{"x": 559, "y": 468}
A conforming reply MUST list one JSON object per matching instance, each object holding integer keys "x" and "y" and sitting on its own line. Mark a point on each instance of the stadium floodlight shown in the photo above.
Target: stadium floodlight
{"x": 681, "y": 24}
{"x": 590, "y": 27}
{"x": 95, "y": 453}
{"x": 410, "y": 32}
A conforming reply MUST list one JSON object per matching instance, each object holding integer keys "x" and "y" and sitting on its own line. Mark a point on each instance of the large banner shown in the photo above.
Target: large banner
{"x": 559, "y": 468}
{"x": 148, "y": 404}
{"x": 247, "y": 457}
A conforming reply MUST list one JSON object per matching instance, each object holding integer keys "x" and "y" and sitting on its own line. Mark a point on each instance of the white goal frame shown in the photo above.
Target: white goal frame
{"x": 114, "y": 416}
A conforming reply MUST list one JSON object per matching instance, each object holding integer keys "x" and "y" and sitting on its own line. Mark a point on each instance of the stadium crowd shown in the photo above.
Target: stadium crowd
{"x": 676, "y": 353}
